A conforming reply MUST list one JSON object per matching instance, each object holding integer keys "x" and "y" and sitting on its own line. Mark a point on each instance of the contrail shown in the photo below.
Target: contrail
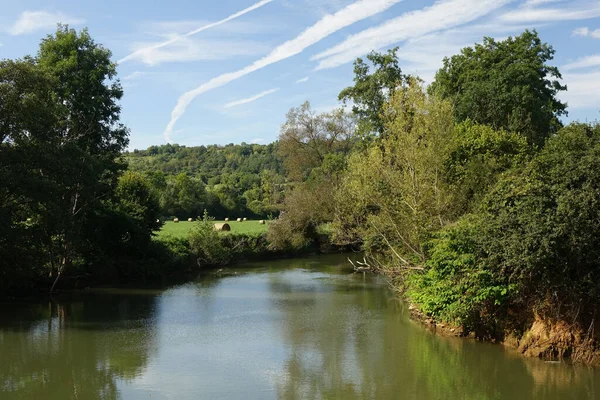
{"x": 251, "y": 99}
{"x": 202, "y": 28}
{"x": 329, "y": 24}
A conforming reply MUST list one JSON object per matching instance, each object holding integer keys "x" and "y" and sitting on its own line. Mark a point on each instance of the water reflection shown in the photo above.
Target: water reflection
{"x": 307, "y": 329}
{"x": 74, "y": 349}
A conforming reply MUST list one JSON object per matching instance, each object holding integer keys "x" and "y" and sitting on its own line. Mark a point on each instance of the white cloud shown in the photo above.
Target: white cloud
{"x": 569, "y": 13}
{"x": 32, "y": 21}
{"x": 139, "y": 53}
{"x": 305, "y": 79}
{"x": 326, "y": 26}
{"x": 257, "y": 140}
{"x": 187, "y": 49}
{"x": 584, "y": 62}
{"x": 441, "y": 15}
{"x": 584, "y": 90}
{"x": 533, "y": 3}
{"x": 251, "y": 99}
{"x": 585, "y": 31}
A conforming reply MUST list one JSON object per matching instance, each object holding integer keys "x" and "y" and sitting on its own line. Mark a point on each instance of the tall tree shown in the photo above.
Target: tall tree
{"x": 506, "y": 84}
{"x": 89, "y": 137}
{"x": 373, "y": 88}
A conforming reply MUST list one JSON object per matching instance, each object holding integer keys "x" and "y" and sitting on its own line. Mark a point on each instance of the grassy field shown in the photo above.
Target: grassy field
{"x": 183, "y": 227}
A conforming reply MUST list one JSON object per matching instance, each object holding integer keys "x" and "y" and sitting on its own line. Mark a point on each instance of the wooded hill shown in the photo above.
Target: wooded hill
{"x": 231, "y": 180}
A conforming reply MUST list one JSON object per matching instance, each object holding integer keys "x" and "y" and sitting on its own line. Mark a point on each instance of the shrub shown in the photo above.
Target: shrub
{"x": 206, "y": 244}
{"x": 457, "y": 286}
{"x": 542, "y": 230}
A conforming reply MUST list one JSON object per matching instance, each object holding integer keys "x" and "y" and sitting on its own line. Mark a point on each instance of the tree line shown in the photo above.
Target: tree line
{"x": 227, "y": 181}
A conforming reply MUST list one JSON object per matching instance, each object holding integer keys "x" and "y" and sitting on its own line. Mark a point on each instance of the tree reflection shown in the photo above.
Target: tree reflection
{"x": 74, "y": 349}
{"x": 351, "y": 341}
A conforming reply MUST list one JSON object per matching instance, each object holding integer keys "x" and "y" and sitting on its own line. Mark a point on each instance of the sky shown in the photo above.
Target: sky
{"x": 199, "y": 72}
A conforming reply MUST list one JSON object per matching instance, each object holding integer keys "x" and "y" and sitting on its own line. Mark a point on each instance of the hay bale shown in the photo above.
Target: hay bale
{"x": 262, "y": 222}
{"x": 226, "y": 219}
{"x": 222, "y": 227}
{"x": 239, "y": 220}
{"x": 190, "y": 219}
{"x": 245, "y": 219}
{"x": 176, "y": 220}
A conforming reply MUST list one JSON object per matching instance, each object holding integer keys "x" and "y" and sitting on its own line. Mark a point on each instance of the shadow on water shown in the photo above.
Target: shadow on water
{"x": 292, "y": 329}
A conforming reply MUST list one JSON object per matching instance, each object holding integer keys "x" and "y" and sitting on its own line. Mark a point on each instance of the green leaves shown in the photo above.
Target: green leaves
{"x": 372, "y": 89}
{"x": 507, "y": 85}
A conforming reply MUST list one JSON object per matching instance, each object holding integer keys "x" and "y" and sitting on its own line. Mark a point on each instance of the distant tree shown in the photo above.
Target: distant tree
{"x": 505, "y": 84}
{"x": 373, "y": 88}
{"x": 307, "y": 137}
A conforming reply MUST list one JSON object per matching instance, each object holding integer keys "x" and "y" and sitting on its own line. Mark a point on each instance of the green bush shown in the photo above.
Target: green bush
{"x": 542, "y": 227}
{"x": 456, "y": 285}
{"x": 206, "y": 244}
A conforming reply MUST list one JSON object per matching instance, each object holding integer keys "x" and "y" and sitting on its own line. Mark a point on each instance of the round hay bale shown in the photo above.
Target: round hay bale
{"x": 239, "y": 220}
{"x": 190, "y": 219}
{"x": 222, "y": 227}
{"x": 262, "y": 222}
{"x": 226, "y": 219}
{"x": 176, "y": 220}
{"x": 245, "y": 219}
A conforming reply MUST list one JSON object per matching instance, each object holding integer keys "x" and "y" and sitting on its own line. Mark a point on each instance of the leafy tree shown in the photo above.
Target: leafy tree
{"x": 393, "y": 196}
{"x": 137, "y": 200}
{"x": 505, "y": 84}
{"x": 307, "y": 137}
{"x": 373, "y": 88}
{"x": 477, "y": 157}
{"x": 456, "y": 285}
{"x": 61, "y": 143}
{"x": 91, "y": 137}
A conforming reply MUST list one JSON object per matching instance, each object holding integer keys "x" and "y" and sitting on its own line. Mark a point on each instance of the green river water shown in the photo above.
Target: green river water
{"x": 293, "y": 329}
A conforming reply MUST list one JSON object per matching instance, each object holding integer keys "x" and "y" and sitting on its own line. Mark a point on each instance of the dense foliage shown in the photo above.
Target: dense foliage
{"x": 505, "y": 84}
{"x": 65, "y": 206}
{"x": 227, "y": 181}
{"x": 470, "y": 195}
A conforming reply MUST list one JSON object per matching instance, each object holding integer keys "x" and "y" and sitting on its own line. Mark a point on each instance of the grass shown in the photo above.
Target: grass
{"x": 182, "y": 228}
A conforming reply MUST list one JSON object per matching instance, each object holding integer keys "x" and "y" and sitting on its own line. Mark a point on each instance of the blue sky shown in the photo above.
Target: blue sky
{"x": 202, "y": 72}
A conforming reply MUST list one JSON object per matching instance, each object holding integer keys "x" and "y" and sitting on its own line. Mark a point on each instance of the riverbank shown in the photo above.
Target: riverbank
{"x": 540, "y": 338}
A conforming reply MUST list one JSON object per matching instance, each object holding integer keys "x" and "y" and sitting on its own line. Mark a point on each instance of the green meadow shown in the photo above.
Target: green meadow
{"x": 182, "y": 228}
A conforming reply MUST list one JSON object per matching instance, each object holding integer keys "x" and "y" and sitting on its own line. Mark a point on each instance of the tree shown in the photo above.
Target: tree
{"x": 393, "y": 195}
{"x": 373, "y": 89}
{"x": 477, "y": 157}
{"x": 90, "y": 138}
{"x": 137, "y": 200}
{"x": 505, "y": 84}
{"x": 307, "y": 137}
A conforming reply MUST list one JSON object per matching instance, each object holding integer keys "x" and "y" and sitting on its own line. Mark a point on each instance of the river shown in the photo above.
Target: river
{"x": 293, "y": 329}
